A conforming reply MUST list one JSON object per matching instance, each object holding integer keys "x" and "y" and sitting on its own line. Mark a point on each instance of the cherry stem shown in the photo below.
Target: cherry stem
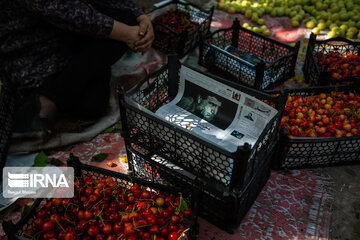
{"x": 96, "y": 204}
{"x": 57, "y": 222}
{"x": 179, "y": 238}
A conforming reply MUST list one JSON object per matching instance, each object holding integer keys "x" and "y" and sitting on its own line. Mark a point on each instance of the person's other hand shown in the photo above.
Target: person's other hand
{"x": 146, "y": 31}
{"x": 133, "y": 37}
{"x": 125, "y": 33}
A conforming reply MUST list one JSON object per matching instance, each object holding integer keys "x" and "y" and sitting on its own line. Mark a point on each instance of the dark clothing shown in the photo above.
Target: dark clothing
{"x": 82, "y": 88}
{"x": 61, "y": 49}
{"x": 34, "y": 34}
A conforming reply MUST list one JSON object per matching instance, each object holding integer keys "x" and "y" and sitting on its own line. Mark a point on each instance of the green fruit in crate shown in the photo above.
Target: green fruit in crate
{"x": 314, "y": 12}
{"x": 305, "y": 2}
{"x": 220, "y": 6}
{"x": 344, "y": 27}
{"x": 319, "y": 6}
{"x": 245, "y": 25}
{"x": 338, "y": 23}
{"x": 298, "y": 8}
{"x": 231, "y": 10}
{"x": 349, "y": 34}
{"x": 295, "y": 23}
{"x": 353, "y": 30}
{"x": 280, "y": 11}
{"x": 321, "y": 26}
{"x": 248, "y": 14}
{"x": 254, "y": 17}
{"x": 356, "y": 18}
{"x": 349, "y": 5}
{"x": 344, "y": 16}
{"x": 358, "y": 36}
{"x": 268, "y": 9}
{"x": 298, "y": 18}
{"x": 287, "y": 11}
{"x": 328, "y": 23}
{"x": 335, "y": 17}
{"x": 242, "y": 10}
{"x": 310, "y": 24}
{"x": 316, "y": 31}
{"x": 261, "y": 11}
{"x": 273, "y": 12}
{"x": 261, "y": 21}
{"x": 293, "y": 14}
{"x": 332, "y": 26}
{"x": 256, "y": 29}
{"x": 341, "y": 33}
{"x": 331, "y": 34}
{"x": 263, "y": 28}
{"x": 335, "y": 9}
{"x": 324, "y": 16}
{"x": 267, "y": 32}
{"x": 351, "y": 23}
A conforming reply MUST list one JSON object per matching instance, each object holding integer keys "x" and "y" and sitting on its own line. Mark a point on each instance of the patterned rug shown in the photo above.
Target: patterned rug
{"x": 292, "y": 205}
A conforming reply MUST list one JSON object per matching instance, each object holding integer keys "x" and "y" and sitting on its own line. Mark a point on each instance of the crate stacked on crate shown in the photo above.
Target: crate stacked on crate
{"x": 110, "y": 205}
{"x": 178, "y": 26}
{"x": 248, "y": 58}
{"x": 320, "y": 127}
{"x": 7, "y": 108}
{"x": 162, "y": 152}
{"x": 332, "y": 61}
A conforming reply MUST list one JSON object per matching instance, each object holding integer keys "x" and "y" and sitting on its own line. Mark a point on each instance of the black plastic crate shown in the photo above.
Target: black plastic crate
{"x": 248, "y": 58}
{"x": 14, "y": 231}
{"x": 149, "y": 134}
{"x": 225, "y": 210}
{"x": 170, "y": 41}
{"x": 316, "y": 76}
{"x": 7, "y": 109}
{"x": 301, "y": 152}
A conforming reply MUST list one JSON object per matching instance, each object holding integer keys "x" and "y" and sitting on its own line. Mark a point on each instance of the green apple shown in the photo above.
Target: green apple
{"x": 334, "y": 9}
{"x": 263, "y": 28}
{"x": 256, "y": 29}
{"x": 331, "y": 34}
{"x": 267, "y": 33}
{"x": 280, "y": 11}
{"x": 321, "y": 26}
{"x": 295, "y": 23}
{"x": 351, "y": 23}
{"x": 344, "y": 27}
{"x": 248, "y": 14}
{"x": 273, "y": 12}
{"x": 245, "y": 25}
{"x": 344, "y": 16}
{"x": 353, "y": 29}
{"x": 349, "y": 34}
{"x": 310, "y": 24}
{"x": 328, "y": 23}
{"x": 335, "y": 17}
{"x": 316, "y": 31}
{"x": 319, "y": 6}
{"x": 268, "y": 9}
{"x": 254, "y": 17}
{"x": 260, "y": 21}
{"x": 332, "y": 26}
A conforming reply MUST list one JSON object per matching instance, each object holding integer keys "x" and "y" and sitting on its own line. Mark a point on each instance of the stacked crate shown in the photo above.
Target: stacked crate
{"x": 248, "y": 58}
{"x": 163, "y": 152}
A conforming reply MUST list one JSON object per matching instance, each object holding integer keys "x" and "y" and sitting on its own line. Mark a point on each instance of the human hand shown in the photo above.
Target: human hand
{"x": 133, "y": 37}
{"x": 125, "y": 33}
{"x": 146, "y": 31}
